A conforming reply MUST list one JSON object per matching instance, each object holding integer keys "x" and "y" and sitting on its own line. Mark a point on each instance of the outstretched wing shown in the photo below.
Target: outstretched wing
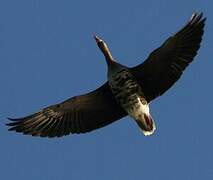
{"x": 166, "y": 64}
{"x": 78, "y": 114}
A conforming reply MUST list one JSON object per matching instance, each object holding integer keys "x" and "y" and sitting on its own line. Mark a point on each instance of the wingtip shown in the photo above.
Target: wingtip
{"x": 197, "y": 15}
{"x": 13, "y": 119}
{"x": 204, "y": 19}
{"x": 8, "y": 124}
{"x": 197, "y": 18}
{"x": 12, "y": 122}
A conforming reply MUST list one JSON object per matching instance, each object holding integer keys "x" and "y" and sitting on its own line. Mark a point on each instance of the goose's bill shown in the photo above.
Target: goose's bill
{"x": 97, "y": 39}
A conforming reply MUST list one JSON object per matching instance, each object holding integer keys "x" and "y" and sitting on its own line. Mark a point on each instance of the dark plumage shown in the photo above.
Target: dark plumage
{"x": 101, "y": 107}
{"x": 165, "y": 65}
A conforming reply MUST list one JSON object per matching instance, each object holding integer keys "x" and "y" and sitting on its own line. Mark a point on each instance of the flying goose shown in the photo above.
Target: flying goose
{"x": 128, "y": 91}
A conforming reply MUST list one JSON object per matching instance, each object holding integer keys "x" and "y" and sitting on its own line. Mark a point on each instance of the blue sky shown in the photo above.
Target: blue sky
{"x": 48, "y": 54}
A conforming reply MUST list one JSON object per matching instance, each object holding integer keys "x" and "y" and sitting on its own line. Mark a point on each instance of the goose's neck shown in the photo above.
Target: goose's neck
{"x": 108, "y": 56}
{"x": 105, "y": 50}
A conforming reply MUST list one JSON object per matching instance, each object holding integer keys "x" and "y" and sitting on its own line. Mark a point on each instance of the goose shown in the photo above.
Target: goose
{"x": 128, "y": 91}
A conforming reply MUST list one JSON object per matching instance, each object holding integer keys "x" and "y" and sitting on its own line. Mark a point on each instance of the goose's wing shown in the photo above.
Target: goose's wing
{"x": 166, "y": 64}
{"x": 78, "y": 114}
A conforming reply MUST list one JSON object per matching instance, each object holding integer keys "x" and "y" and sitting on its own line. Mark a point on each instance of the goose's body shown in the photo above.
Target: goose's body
{"x": 128, "y": 91}
{"x": 129, "y": 95}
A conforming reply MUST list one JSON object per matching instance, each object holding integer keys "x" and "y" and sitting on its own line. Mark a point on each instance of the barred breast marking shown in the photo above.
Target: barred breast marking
{"x": 126, "y": 89}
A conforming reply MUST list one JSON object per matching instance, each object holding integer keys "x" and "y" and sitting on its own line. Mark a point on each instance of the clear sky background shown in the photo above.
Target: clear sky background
{"x": 47, "y": 54}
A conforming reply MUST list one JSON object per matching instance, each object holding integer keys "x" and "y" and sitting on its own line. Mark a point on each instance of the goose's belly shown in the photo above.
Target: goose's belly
{"x": 128, "y": 93}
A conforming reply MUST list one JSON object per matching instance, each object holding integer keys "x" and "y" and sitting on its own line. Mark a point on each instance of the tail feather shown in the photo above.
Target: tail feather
{"x": 146, "y": 124}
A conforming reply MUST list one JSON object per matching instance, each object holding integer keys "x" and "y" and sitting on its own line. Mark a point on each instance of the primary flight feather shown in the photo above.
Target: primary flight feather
{"x": 128, "y": 91}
